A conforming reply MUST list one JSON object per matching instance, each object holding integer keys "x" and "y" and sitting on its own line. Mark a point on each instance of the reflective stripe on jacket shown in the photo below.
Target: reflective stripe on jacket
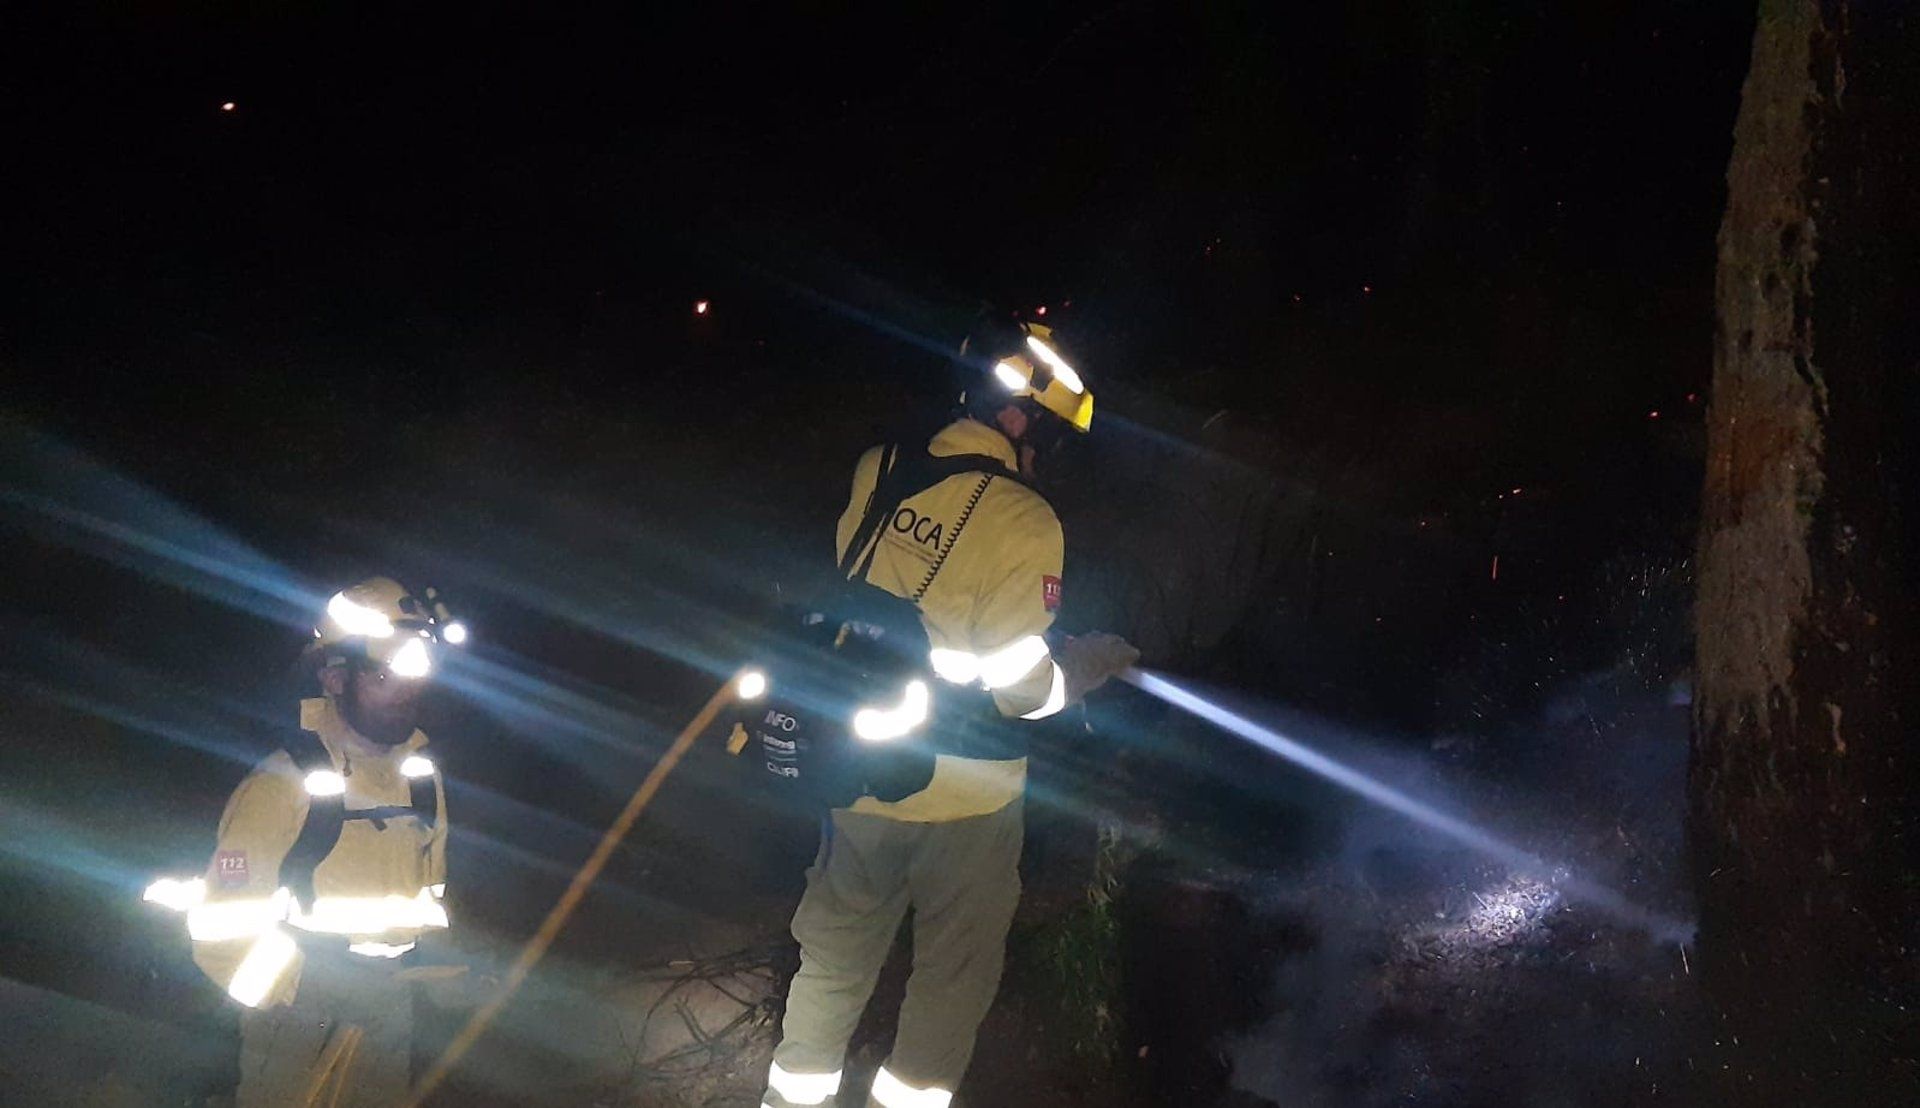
{"x": 378, "y": 889}
{"x": 982, "y": 559}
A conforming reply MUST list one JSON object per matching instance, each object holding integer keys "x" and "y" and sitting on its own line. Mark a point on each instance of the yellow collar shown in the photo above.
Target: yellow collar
{"x": 970, "y": 436}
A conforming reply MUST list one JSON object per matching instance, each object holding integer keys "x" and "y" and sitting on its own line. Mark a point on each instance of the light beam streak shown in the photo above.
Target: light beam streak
{"x": 62, "y": 495}
{"x": 1661, "y": 927}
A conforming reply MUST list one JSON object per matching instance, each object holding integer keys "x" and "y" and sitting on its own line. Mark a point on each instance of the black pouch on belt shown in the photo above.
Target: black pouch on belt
{"x": 860, "y": 646}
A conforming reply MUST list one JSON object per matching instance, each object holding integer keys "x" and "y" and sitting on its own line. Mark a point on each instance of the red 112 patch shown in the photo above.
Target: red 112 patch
{"x": 1050, "y": 591}
{"x": 230, "y": 868}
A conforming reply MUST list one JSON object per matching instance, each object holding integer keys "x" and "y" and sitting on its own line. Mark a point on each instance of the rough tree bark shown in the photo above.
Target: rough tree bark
{"x": 1804, "y": 808}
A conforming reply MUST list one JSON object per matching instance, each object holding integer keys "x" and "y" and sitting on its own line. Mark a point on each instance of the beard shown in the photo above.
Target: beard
{"x": 388, "y": 726}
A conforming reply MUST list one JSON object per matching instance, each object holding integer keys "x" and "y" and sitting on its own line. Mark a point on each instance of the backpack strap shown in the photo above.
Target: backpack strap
{"x": 423, "y": 804}
{"x": 424, "y": 794}
{"x": 882, "y": 502}
{"x": 325, "y": 815}
{"x": 901, "y": 478}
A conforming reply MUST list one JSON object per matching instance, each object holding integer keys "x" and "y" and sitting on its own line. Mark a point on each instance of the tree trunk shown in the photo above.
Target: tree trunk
{"x": 1804, "y": 810}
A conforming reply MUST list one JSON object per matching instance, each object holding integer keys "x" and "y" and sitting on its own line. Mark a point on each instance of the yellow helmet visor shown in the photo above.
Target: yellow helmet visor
{"x": 1041, "y": 373}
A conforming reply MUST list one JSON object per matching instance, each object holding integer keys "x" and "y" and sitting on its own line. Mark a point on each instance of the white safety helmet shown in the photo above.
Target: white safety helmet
{"x": 380, "y": 620}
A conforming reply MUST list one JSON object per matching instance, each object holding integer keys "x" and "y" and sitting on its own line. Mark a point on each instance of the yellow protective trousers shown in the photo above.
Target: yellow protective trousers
{"x": 961, "y": 881}
{"x": 281, "y": 1046}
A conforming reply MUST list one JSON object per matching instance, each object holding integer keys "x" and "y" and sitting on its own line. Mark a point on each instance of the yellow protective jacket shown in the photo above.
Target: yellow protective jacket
{"x": 375, "y": 893}
{"x": 981, "y": 557}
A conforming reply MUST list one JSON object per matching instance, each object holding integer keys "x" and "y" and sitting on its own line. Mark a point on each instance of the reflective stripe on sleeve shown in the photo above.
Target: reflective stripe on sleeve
{"x": 1009, "y": 665}
{"x": 1056, "y": 696}
{"x": 803, "y": 1088}
{"x": 175, "y": 894}
{"x": 955, "y": 667}
{"x": 260, "y": 970}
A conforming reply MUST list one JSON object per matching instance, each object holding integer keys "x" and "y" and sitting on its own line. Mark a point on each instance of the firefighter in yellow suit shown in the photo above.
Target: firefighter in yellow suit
{"x": 331, "y": 862}
{"x": 981, "y": 557}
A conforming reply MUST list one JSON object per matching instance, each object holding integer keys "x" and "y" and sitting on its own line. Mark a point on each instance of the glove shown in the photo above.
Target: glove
{"x": 1090, "y": 660}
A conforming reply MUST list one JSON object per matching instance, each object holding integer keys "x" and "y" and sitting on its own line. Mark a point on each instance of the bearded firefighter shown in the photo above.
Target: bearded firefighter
{"x": 330, "y": 862}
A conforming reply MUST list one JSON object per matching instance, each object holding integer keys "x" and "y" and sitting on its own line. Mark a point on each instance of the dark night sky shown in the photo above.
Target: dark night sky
{"x": 1480, "y": 232}
{"x": 469, "y": 238}
{"x": 465, "y": 162}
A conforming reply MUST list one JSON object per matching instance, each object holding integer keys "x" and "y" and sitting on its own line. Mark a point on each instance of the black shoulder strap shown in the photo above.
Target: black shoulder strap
{"x": 879, "y": 509}
{"x": 901, "y": 477}
{"x": 423, "y": 795}
{"x": 424, "y": 798}
{"x": 325, "y": 814}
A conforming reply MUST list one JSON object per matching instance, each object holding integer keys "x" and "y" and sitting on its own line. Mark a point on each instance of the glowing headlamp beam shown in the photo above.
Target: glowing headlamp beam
{"x": 1662, "y": 928}
{"x": 411, "y": 660}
